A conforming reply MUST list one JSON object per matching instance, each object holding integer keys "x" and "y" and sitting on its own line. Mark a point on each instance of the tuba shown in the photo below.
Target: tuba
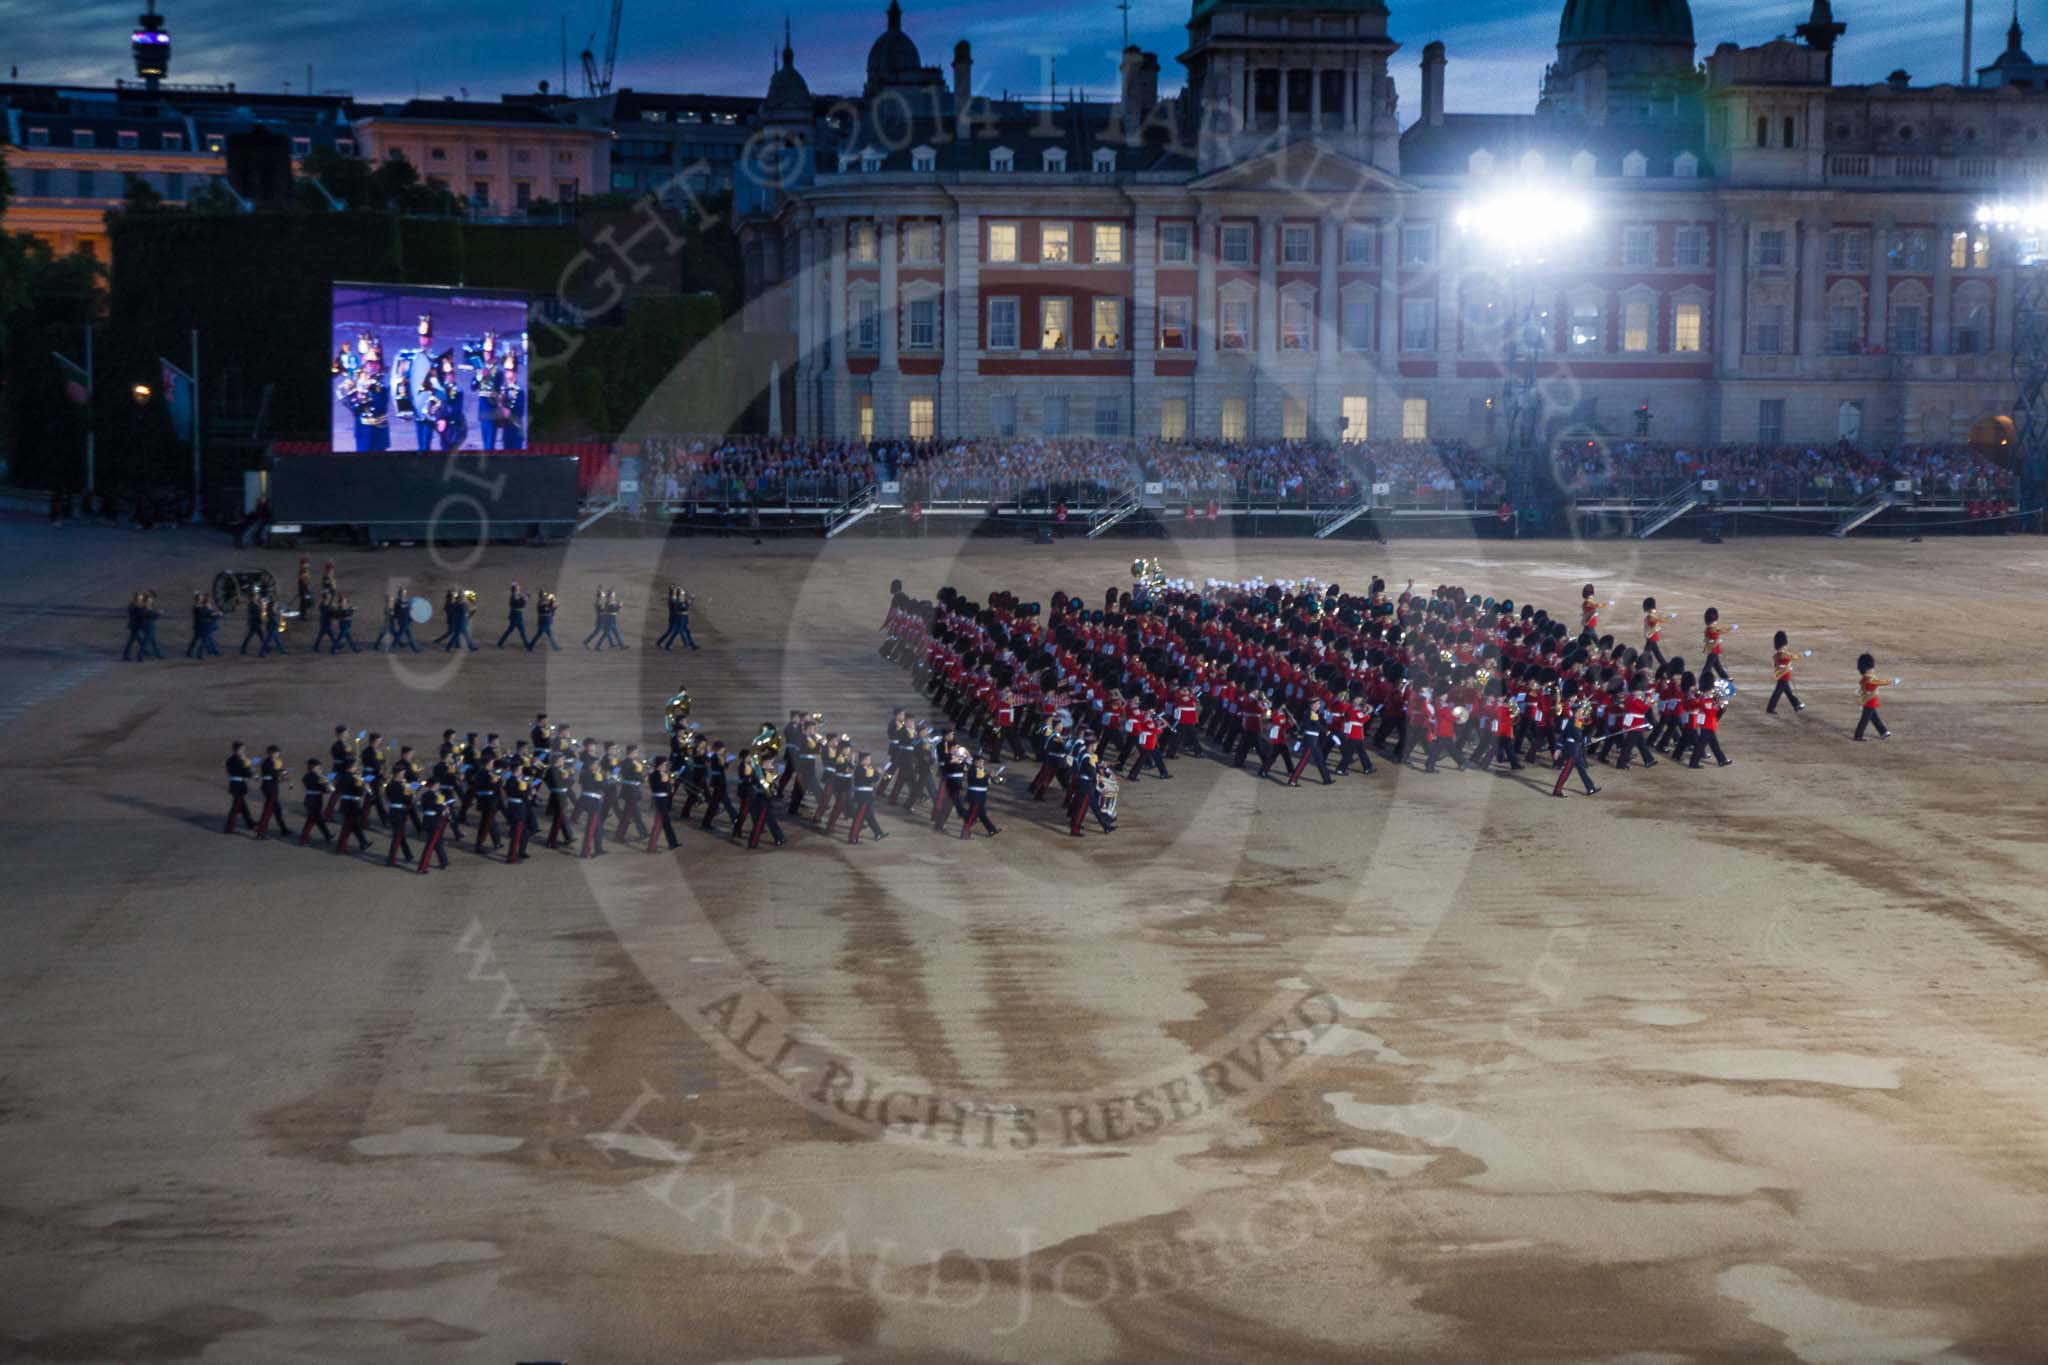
{"x": 676, "y": 710}
{"x": 469, "y": 599}
{"x": 766, "y": 746}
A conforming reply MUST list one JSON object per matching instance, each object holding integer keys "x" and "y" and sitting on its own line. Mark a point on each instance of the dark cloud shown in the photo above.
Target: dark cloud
{"x": 1497, "y": 48}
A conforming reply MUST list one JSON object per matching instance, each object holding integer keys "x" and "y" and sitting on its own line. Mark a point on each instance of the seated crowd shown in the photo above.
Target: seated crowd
{"x": 1835, "y": 473}
{"x": 1044, "y": 470}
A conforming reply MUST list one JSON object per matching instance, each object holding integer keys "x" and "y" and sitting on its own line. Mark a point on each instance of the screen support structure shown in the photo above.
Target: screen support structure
{"x": 2030, "y": 376}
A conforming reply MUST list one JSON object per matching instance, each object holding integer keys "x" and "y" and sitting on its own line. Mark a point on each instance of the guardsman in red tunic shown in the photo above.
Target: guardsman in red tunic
{"x": 1654, "y": 622}
{"x": 1781, "y": 670}
{"x": 1712, "y": 669}
{"x": 1443, "y": 734}
{"x": 1589, "y": 610}
{"x": 1711, "y": 706}
{"x": 1867, "y": 685}
{"x": 1150, "y": 735}
{"x": 1635, "y": 728}
{"x": 1352, "y": 720}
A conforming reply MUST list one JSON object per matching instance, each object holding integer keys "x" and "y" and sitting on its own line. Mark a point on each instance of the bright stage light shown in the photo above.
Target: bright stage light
{"x": 1527, "y": 220}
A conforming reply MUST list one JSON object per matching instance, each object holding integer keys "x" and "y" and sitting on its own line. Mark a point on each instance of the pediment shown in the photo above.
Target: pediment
{"x": 1301, "y": 167}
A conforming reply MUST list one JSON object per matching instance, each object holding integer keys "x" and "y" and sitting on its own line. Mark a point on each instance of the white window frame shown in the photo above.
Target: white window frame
{"x": 1847, "y": 297}
{"x": 1415, "y": 419}
{"x": 1360, "y": 245}
{"x": 1365, "y": 297}
{"x": 1168, "y": 232}
{"x": 1185, "y": 307}
{"x": 1240, "y": 301}
{"x": 1001, "y": 160}
{"x": 1694, "y": 301}
{"x": 1115, "y": 236}
{"x": 1418, "y": 246}
{"x": 1302, "y": 234}
{"x": 1690, "y": 242}
{"x": 913, "y": 234}
{"x": 996, "y": 255}
{"x": 1593, "y": 342}
{"x": 1634, "y": 340}
{"x": 925, "y": 297}
{"x": 1065, "y": 233}
{"x": 1105, "y": 160}
{"x": 1064, "y": 306}
{"x": 863, "y": 245}
{"x": 864, "y": 315}
{"x": 924, "y": 159}
{"x": 1639, "y": 246}
{"x": 1096, "y": 308}
{"x": 1242, "y": 232}
{"x": 1772, "y": 248}
{"x": 1054, "y": 161}
{"x": 1016, "y": 332}
{"x": 1418, "y": 307}
{"x": 1298, "y": 333}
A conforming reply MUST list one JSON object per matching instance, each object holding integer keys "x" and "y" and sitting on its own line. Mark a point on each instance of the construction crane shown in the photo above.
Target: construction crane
{"x": 596, "y": 82}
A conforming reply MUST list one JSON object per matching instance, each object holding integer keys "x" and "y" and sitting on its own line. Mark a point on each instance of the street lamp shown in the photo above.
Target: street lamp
{"x": 142, "y": 394}
{"x": 1522, "y": 226}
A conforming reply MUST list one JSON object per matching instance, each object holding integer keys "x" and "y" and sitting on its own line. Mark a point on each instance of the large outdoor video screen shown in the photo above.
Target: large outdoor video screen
{"x": 419, "y": 369}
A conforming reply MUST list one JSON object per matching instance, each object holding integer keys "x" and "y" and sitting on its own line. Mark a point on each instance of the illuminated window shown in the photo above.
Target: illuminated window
{"x": 1173, "y": 419}
{"x": 1055, "y": 243}
{"x": 1415, "y": 419}
{"x": 1055, "y": 324}
{"x": 867, "y": 417}
{"x": 1296, "y": 320}
{"x": 1588, "y": 326}
{"x": 1356, "y": 411}
{"x": 922, "y": 412}
{"x": 1233, "y": 419}
{"x": 1235, "y": 333}
{"x": 1109, "y": 324}
{"x": 1002, "y": 243}
{"x": 1294, "y": 419}
{"x": 861, "y": 243}
{"x": 1173, "y": 324}
{"x": 1685, "y": 328}
{"x": 1635, "y": 325}
{"x": 1109, "y": 244}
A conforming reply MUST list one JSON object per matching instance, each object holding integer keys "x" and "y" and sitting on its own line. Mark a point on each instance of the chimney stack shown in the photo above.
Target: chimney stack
{"x": 1433, "y": 85}
{"x": 963, "y": 86}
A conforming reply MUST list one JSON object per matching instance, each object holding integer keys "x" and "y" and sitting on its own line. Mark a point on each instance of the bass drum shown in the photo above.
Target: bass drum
{"x": 1111, "y": 789}
{"x": 421, "y": 610}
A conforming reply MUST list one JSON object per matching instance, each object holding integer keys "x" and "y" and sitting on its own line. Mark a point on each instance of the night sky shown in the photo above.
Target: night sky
{"x": 1497, "y": 48}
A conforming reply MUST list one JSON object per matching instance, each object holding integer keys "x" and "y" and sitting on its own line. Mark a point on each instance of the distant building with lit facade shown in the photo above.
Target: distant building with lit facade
{"x": 1274, "y": 253}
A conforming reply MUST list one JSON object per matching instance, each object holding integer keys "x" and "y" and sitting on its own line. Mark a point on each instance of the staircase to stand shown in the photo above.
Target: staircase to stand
{"x": 1116, "y": 511}
{"x": 1673, "y": 506}
{"x": 852, "y": 512}
{"x": 1862, "y": 512}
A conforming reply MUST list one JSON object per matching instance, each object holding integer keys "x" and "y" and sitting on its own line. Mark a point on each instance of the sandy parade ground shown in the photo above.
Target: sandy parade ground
{"x": 1718, "y": 1065}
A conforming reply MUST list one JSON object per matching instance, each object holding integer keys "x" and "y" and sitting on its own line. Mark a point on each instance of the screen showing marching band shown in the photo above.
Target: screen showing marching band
{"x": 421, "y": 369}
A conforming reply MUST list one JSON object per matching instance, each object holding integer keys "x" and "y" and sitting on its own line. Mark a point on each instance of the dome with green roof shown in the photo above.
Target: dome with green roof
{"x": 1625, "y": 21}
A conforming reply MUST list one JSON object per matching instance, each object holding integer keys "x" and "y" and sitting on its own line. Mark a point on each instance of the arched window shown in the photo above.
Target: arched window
{"x": 1845, "y": 319}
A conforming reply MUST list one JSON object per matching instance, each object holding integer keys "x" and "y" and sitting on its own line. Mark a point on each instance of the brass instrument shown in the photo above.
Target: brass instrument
{"x": 469, "y": 599}
{"x": 1724, "y": 689}
{"x": 766, "y": 746}
{"x": 1582, "y": 712}
{"x": 1483, "y": 676}
{"x": 1146, "y": 573}
{"x": 1447, "y": 656}
{"x": 1461, "y": 713}
{"x": 676, "y": 710}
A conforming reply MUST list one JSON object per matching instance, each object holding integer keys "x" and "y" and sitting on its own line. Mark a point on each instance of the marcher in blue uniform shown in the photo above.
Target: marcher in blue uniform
{"x": 515, "y": 617}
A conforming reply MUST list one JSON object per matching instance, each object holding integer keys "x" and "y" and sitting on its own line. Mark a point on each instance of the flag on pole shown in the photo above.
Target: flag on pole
{"x": 77, "y": 387}
{"x": 178, "y": 389}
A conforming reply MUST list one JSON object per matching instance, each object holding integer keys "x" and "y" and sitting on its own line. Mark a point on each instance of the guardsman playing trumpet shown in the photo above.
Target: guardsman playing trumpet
{"x": 1867, "y": 687}
{"x": 1782, "y": 657}
{"x": 1654, "y": 622}
{"x": 1712, "y": 670}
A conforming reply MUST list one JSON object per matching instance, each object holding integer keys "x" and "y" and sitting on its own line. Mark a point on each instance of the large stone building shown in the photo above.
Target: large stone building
{"x": 1270, "y": 253}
